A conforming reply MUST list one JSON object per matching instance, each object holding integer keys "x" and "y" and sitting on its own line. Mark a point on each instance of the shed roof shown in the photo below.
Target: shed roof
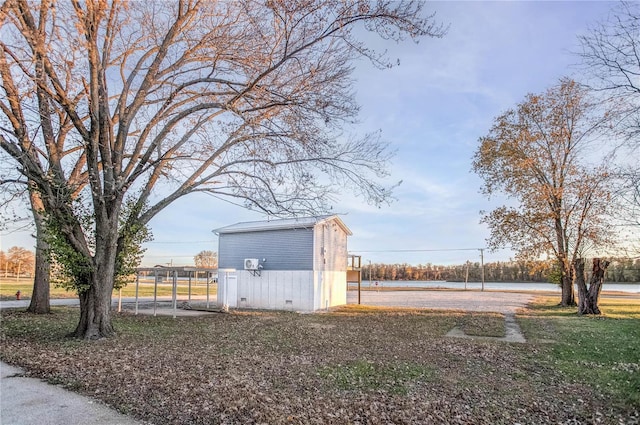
{"x": 279, "y": 224}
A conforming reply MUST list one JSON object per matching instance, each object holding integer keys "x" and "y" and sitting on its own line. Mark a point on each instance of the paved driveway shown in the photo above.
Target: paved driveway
{"x": 28, "y": 401}
{"x": 499, "y": 302}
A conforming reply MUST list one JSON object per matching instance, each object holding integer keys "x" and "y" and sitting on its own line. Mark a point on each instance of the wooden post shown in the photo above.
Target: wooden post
{"x": 155, "y": 291}
{"x": 359, "y": 284}
{"x": 208, "y": 278}
{"x": 174, "y": 293}
{"x": 466, "y": 276}
{"x": 137, "y": 285}
{"x": 482, "y": 267}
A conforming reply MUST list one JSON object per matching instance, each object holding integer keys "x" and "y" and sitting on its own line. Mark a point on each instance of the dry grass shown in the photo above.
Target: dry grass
{"x": 353, "y": 365}
{"x": 9, "y": 287}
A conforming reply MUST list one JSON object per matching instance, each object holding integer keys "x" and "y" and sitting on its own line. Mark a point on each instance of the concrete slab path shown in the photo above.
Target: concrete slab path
{"x": 29, "y": 401}
{"x": 512, "y": 332}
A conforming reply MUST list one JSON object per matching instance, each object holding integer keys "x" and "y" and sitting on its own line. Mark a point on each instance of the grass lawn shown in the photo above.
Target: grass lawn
{"x": 9, "y": 287}
{"x": 603, "y": 351}
{"x": 351, "y": 365}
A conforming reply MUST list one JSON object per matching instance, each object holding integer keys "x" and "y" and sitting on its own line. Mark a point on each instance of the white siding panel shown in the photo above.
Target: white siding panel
{"x": 272, "y": 289}
{"x": 260, "y": 291}
{"x": 338, "y": 288}
{"x": 305, "y": 282}
{"x": 332, "y": 291}
{"x": 287, "y": 291}
{"x": 308, "y": 291}
{"x": 317, "y": 290}
{"x": 273, "y": 280}
{"x": 297, "y": 293}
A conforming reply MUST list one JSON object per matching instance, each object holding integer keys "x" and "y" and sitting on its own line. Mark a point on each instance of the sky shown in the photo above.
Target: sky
{"x": 431, "y": 109}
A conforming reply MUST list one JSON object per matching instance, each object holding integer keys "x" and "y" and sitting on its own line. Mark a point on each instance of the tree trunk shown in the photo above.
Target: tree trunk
{"x": 95, "y": 310}
{"x": 589, "y": 297}
{"x": 568, "y": 296}
{"x": 95, "y": 302}
{"x": 41, "y": 283}
{"x": 95, "y": 316}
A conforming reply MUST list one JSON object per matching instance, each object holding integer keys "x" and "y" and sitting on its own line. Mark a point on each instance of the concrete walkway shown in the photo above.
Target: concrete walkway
{"x": 29, "y": 401}
{"x": 511, "y": 328}
{"x": 25, "y": 303}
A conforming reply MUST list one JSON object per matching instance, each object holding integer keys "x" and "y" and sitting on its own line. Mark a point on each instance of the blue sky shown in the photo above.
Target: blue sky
{"x": 431, "y": 109}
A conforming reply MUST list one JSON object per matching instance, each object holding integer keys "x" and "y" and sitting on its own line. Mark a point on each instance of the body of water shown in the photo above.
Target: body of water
{"x": 507, "y": 286}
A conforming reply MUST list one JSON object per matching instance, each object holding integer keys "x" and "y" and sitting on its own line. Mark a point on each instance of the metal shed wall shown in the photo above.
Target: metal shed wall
{"x": 284, "y": 249}
{"x": 330, "y": 247}
{"x": 279, "y": 290}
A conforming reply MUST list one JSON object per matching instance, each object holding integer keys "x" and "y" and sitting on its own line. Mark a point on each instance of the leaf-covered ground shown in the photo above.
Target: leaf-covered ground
{"x": 351, "y": 366}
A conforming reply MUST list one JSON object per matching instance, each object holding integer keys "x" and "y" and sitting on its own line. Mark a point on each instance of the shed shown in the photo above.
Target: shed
{"x": 295, "y": 264}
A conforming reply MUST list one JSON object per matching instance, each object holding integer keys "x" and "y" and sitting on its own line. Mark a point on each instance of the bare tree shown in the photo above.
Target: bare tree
{"x": 206, "y": 259}
{"x": 610, "y": 57}
{"x": 535, "y": 155}
{"x": 31, "y": 118}
{"x": 14, "y": 192}
{"x": 247, "y": 99}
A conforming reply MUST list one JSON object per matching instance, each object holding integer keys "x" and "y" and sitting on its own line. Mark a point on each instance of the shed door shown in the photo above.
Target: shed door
{"x": 230, "y": 291}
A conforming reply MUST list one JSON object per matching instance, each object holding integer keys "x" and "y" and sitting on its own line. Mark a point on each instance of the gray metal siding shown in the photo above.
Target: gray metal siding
{"x": 288, "y": 249}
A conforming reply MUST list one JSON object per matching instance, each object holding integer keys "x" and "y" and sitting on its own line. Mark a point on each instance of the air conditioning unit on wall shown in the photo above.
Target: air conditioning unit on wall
{"x": 251, "y": 264}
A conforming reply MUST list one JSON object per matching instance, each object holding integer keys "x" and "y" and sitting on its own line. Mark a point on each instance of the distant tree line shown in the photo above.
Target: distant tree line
{"x": 621, "y": 270}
